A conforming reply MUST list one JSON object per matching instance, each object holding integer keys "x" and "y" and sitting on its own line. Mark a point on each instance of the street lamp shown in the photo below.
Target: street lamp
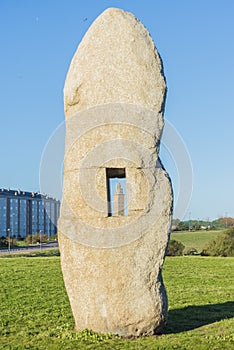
{"x": 9, "y": 239}
{"x": 40, "y": 238}
{"x": 32, "y": 227}
{"x": 13, "y": 228}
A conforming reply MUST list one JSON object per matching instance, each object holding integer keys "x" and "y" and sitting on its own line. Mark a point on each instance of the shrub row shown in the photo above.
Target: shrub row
{"x": 223, "y": 245}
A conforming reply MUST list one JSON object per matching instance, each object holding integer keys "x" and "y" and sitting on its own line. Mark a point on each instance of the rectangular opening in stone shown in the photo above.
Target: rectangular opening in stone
{"x": 116, "y": 192}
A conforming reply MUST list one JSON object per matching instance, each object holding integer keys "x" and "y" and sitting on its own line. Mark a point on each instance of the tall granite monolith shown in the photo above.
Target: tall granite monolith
{"x": 112, "y": 260}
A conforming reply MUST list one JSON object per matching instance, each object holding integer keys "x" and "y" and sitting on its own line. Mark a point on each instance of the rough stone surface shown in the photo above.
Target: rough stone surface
{"x": 116, "y": 62}
{"x": 114, "y": 98}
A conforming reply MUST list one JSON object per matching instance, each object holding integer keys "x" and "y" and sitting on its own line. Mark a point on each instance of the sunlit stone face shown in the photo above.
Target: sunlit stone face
{"x": 117, "y": 199}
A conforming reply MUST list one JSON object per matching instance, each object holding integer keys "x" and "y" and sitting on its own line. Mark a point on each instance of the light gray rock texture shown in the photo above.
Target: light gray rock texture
{"x": 114, "y": 99}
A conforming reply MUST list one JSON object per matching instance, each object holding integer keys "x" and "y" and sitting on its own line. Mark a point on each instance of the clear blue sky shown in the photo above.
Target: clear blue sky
{"x": 196, "y": 42}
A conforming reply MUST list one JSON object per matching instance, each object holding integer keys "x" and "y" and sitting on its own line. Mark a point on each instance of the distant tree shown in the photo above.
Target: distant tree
{"x": 224, "y": 222}
{"x": 37, "y": 238}
{"x": 223, "y": 245}
{"x": 175, "y": 224}
{"x": 28, "y": 239}
{"x": 3, "y": 242}
{"x": 175, "y": 248}
{"x": 181, "y": 226}
{"x": 55, "y": 237}
{"x": 197, "y": 226}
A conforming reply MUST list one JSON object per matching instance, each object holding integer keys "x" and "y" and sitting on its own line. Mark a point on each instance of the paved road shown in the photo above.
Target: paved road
{"x": 30, "y": 248}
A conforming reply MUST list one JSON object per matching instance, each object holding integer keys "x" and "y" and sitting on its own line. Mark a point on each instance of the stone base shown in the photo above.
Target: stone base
{"x": 110, "y": 292}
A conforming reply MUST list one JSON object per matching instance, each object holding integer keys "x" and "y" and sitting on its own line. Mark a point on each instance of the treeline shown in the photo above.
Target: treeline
{"x": 196, "y": 225}
{"x": 37, "y": 238}
{"x": 222, "y": 246}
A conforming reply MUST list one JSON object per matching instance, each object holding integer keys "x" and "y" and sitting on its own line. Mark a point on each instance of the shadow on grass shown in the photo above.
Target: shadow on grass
{"x": 191, "y": 317}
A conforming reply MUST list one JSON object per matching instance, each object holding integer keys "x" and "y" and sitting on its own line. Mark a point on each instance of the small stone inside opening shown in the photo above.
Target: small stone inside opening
{"x": 116, "y": 191}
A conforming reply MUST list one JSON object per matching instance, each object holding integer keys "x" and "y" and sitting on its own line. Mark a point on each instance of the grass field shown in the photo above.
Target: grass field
{"x": 197, "y": 240}
{"x": 35, "y": 312}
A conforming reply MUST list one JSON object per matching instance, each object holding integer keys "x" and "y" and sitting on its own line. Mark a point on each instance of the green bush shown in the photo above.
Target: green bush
{"x": 3, "y": 242}
{"x": 175, "y": 248}
{"x": 36, "y": 238}
{"x": 223, "y": 245}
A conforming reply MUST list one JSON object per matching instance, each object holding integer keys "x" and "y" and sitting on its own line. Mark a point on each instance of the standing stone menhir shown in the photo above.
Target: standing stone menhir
{"x": 117, "y": 199}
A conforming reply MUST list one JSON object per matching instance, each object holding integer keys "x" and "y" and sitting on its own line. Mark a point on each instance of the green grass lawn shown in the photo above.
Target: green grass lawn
{"x": 35, "y": 312}
{"x": 196, "y": 239}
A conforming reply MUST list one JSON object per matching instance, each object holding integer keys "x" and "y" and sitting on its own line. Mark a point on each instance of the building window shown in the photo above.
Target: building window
{"x": 116, "y": 192}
